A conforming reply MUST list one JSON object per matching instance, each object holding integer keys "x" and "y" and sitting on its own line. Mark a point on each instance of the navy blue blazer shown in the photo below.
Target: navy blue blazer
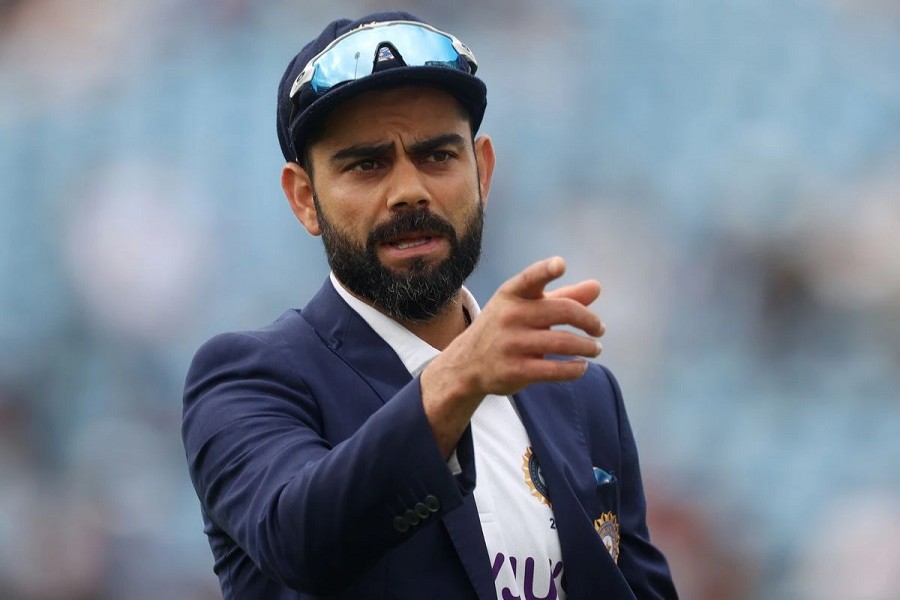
{"x": 308, "y": 446}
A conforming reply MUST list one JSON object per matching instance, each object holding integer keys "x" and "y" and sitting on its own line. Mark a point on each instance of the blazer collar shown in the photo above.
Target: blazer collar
{"x": 350, "y": 337}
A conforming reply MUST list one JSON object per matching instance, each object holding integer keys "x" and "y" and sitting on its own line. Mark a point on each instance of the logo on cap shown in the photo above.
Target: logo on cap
{"x": 384, "y": 53}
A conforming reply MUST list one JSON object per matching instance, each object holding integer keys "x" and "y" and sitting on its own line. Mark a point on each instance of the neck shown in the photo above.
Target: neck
{"x": 438, "y": 331}
{"x": 443, "y": 328}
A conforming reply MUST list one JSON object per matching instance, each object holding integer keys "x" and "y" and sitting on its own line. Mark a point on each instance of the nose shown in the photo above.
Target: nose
{"x": 407, "y": 187}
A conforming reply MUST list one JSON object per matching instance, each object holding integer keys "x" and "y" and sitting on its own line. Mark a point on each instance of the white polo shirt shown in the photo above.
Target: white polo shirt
{"x": 516, "y": 516}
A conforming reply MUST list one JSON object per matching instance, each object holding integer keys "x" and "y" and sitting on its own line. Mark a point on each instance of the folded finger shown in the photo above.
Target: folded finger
{"x": 584, "y": 292}
{"x": 541, "y": 343}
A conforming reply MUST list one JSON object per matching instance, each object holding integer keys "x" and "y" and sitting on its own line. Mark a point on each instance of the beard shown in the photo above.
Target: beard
{"x": 420, "y": 291}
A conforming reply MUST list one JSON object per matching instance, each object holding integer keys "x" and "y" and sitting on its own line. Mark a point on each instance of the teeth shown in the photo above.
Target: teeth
{"x": 411, "y": 244}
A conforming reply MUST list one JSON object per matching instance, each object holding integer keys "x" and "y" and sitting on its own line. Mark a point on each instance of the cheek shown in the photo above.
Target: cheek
{"x": 354, "y": 225}
{"x": 346, "y": 213}
{"x": 467, "y": 197}
{"x": 469, "y": 185}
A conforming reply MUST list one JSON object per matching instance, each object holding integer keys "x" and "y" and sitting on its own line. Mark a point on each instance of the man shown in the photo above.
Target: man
{"x": 391, "y": 440}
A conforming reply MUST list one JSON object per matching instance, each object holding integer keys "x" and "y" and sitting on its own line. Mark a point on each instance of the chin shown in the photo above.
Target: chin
{"x": 414, "y": 266}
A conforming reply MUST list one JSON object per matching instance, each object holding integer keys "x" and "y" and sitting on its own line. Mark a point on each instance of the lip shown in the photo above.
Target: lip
{"x": 415, "y": 245}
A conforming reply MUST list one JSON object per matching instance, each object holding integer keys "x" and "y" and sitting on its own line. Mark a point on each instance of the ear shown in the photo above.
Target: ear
{"x": 484, "y": 157}
{"x": 298, "y": 189}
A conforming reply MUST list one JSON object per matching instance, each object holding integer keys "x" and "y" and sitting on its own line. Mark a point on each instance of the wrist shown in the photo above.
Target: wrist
{"x": 448, "y": 402}
{"x": 450, "y": 384}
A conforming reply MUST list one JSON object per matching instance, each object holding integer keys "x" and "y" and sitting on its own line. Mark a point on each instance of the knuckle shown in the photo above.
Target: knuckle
{"x": 521, "y": 370}
{"x": 518, "y": 372}
{"x": 509, "y": 286}
{"x": 512, "y": 314}
{"x": 505, "y": 382}
{"x": 507, "y": 345}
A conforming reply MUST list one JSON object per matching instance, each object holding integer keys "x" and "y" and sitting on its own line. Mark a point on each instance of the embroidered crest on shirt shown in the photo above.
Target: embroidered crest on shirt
{"x": 534, "y": 477}
{"x": 607, "y": 527}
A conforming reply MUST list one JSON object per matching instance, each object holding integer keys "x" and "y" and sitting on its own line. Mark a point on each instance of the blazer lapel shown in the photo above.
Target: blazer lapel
{"x": 551, "y": 418}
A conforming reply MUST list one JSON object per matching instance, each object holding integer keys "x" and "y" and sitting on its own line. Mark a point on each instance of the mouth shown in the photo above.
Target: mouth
{"x": 407, "y": 243}
{"x": 411, "y": 245}
{"x": 411, "y": 239}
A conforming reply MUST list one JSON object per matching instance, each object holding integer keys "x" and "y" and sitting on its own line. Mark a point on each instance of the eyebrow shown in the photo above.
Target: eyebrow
{"x": 416, "y": 148}
{"x": 362, "y": 151}
{"x": 430, "y": 144}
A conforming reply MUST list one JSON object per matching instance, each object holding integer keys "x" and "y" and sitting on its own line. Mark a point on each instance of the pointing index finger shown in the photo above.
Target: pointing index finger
{"x": 530, "y": 282}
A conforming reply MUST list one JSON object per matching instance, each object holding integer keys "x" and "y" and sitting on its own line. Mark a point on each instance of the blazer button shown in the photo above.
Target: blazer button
{"x": 401, "y": 524}
{"x": 411, "y": 517}
{"x": 432, "y": 503}
{"x": 422, "y": 511}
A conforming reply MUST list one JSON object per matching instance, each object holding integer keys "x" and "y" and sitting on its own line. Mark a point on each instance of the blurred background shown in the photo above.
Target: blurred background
{"x": 729, "y": 171}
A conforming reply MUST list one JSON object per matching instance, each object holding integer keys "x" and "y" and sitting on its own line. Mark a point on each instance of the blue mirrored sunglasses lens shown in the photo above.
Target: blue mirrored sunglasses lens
{"x": 354, "y": 56}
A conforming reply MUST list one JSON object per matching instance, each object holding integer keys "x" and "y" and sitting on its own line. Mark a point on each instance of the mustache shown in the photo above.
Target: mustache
{"x": 411, "y": 221}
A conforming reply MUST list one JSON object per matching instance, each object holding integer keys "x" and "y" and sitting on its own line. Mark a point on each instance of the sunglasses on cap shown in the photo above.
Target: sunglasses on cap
{"x": 357, "y": 53}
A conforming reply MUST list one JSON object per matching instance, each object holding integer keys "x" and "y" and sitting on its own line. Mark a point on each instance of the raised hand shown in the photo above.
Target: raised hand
{"x": 506, "y": 347}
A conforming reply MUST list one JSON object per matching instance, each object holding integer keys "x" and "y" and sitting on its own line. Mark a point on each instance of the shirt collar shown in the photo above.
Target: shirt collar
{"x": 414, "y": 353}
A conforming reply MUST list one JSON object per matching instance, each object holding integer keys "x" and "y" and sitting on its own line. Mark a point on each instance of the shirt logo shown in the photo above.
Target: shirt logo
{"x": 534, "y": 477}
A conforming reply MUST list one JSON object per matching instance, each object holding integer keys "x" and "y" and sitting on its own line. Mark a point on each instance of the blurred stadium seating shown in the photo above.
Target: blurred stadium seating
{"x": 729, "y": 171}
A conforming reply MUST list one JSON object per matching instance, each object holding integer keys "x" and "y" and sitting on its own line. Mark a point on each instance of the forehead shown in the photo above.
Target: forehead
{"x": 407, "y": 111}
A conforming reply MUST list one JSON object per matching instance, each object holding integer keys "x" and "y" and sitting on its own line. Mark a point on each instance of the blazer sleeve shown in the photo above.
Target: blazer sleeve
{"x": 310, "y": 514}
{"x": 642, "y": 564}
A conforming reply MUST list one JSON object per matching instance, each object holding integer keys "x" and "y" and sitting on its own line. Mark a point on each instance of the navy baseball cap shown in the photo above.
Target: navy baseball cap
{"x": 385, "y": 49}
